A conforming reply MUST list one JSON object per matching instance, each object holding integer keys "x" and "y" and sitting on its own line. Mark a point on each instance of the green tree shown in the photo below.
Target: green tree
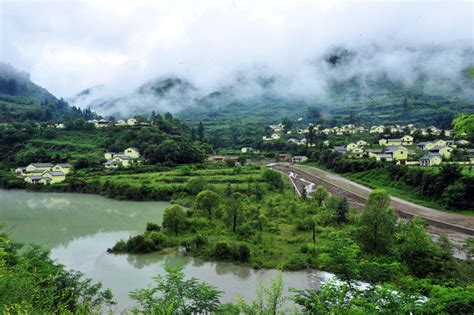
{"x": 273, "y": 178}
{"x": 464, "y": 124}
{"x": 377, "y": 224}
{"x": 173, "y": 294}
{"x": 234, "y": 208}
{"x": 311, "y": 137}
{"x": 422, "y": 256}
{"x": 174, "y": 218}
{"x": 262, "y": 221}
{"x": 269, "y": 300}
{"x": 200, "y": 132}
{"x": 320, "y": 195}
{"x": 207, "y": 201}
{"x": 196, "y": 184}
{"x": 314, "y": 220}
{"x": 454, "y": 196}
{"x": 32, "y": 283}
{"x": 341, "y": 258}
{"x": 342, "y": 210}
{"x": 288, "y": 123}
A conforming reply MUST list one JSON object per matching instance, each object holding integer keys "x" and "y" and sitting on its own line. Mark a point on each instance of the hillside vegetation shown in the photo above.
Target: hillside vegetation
{"x": 21, "y": 99}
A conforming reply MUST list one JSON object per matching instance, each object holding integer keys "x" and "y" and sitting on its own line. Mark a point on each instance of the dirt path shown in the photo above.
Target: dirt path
{"x": 456, "y": 226}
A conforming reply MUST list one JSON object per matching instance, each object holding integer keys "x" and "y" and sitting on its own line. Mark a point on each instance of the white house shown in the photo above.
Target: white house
{"x": 299, "y": 159}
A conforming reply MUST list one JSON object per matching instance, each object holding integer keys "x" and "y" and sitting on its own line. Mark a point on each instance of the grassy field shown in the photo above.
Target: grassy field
{"x": 69, "y": 145}
{"x": 218, "y": 177}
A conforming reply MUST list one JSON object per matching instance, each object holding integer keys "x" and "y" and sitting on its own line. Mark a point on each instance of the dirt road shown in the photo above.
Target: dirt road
{"x": 458, "y": 227}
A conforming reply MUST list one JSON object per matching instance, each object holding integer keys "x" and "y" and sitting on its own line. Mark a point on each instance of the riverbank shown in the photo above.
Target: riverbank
{"x": 149, "y": 183}
{"x": 79, "y": 228}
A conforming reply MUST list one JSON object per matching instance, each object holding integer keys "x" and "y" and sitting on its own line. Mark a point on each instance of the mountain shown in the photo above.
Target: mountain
{"x": 169, "y": 94}
{"x": 368, "y": 86}
{"x": 22, "y": 99}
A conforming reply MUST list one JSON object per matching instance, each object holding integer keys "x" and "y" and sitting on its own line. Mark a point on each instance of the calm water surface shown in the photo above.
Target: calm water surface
{"x": 79, "y": 228}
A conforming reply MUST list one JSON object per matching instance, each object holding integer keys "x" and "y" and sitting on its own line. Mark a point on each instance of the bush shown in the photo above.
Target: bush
{"x": 296, "y": 262}
{"x": 245, "y": 230}
{"x": 158, "y": 239}
{"x": 454, "y": 196}
{"x": 195, "y": 185}
{"x": 119, "y": 247}
{"x": 199, "y": 241}
{"x": 222, "y": 250}
{"x": 140, "y": 244}
{"x": 273, "y": 178}
{"x": 150, "y": 226}
{"x": 378, "y": 272}
{"x": 243, "y": 252}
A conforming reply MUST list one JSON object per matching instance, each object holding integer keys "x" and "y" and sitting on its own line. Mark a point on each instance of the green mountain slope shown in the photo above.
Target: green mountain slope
{"x": 21, "y": 99}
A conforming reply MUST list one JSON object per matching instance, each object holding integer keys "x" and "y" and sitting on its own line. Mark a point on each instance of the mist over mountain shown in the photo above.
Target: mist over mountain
{"x": 340, "y": 76}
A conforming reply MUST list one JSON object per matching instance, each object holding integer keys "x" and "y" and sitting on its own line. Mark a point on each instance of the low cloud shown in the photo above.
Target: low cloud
{"x": 246, "y": 48}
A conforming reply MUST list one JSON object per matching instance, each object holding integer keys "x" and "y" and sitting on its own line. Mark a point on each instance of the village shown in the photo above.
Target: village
{"x": 101, "y": 123}
{"x": 49, "y": 173}
{"x": 354, "y": 142}
{"x": 358, "y": 142}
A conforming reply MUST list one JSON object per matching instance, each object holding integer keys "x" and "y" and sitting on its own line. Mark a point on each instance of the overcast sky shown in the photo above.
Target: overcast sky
{"x": 68, "y": 46}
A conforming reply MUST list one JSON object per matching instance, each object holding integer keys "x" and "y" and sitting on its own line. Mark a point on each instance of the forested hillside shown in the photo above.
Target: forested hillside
{"x": 21, "y": 99}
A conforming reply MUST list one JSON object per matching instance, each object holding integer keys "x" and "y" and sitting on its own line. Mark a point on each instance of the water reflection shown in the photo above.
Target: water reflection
{"x": 80, "y": 228}
{"x": 55, "y": 219}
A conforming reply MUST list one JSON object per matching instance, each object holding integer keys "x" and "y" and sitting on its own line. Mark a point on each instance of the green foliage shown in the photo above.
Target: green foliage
{"x": 342, "y": 210}
{"x": 269, "y": 300}
{"x": 422, "y": 256}
{"x": 377, "y": 224}
{"x": 31, "y": 282}
{"x": 174, "y": 219}
{"x": 173, "y": 294}
{"x": 320, "y": 195}
{"x": 341, "y": 257}
{"x": 453, "y": 196}
{"x": 150, "y": 227}
{"x": 333, "y": 298}
{"x": 273, "y": 178}
{"x": 234, "y": 210}
{"x": 207, "y": 201}
{"x": 196, "y": 184}
{"x": 464, "y": 124}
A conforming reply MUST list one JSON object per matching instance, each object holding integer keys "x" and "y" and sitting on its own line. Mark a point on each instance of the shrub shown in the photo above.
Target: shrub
{"x": 140, "y": 244}
{"x": 195, "y": 185}
{"x": 119, "y": 247}
{"x": 150, "y": 226}
{"x": 222, "y": 250}
{"x": 158, "y": 239}
{"x": 199, "y": 241}
{"x": 374, "y": 271}
{"x": 296, "y": 262}
{"x": 273, "y": 178}
{"x": 185, "y": 170}
{"x": 243, "y": 252}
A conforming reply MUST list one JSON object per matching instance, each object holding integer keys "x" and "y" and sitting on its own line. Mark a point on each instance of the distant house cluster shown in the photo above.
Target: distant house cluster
{"x": 126, "y": 158}
{"x": 398, "y": 150}
{"x": 248, "y": 150}
{"x": 119, "y": 123}
{"x": 289, "y": 158}
{"x": 44, "y": 173}
{"x": 278, "y": 131}
{"x": 223, "y": 158}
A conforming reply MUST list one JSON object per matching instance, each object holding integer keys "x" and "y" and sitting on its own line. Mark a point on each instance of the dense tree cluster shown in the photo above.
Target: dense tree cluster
{"x": 31, "y": 282}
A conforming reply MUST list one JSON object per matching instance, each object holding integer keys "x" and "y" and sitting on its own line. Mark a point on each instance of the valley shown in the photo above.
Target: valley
{"x": 236, "y": 157}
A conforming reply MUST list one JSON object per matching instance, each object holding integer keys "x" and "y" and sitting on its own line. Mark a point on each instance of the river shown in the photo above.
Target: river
{"x": 78, "y": 228}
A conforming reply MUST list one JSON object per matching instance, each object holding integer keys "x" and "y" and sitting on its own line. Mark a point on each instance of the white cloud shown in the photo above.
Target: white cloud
{"x": 71, "y": 45}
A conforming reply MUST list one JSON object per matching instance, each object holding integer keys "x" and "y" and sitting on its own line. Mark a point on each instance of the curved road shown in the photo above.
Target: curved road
{"x": 457, "y": 226}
